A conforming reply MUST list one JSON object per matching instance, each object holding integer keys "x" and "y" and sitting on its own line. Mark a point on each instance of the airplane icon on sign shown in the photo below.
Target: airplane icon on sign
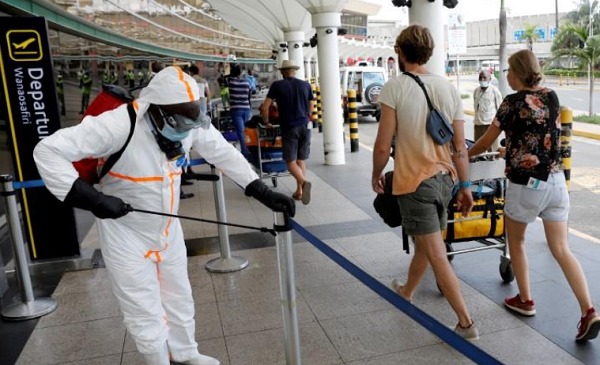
{"x": 23, "y": 44}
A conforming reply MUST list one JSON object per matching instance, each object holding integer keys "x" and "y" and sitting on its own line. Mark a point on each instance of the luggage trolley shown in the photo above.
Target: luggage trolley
{"x": 266, "y": 154}
{"x": 485, "y": 223}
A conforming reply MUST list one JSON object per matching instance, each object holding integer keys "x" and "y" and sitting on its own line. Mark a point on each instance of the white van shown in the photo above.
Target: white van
{"x": 368, "y": 82}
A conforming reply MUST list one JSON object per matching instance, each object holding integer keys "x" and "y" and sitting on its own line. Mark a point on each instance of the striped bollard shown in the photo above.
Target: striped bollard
{"x": 314, "y": 112}
{"x": 319, "y": 110}
{"x": 353, "y": 120}
{"x": 566, "y": 134}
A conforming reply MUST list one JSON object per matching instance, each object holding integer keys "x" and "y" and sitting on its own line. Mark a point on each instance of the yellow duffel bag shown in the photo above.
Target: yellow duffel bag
{"x": 486, "y": 220}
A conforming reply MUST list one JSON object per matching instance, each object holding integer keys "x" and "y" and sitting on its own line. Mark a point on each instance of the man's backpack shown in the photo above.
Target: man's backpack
{"x": 109, "y": 98}
{"x": 386, "y": 204}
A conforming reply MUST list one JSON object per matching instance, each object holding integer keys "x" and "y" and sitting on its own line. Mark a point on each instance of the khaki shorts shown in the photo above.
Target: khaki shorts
{"x": 426, "y": 210}
{"x": 524, "y": 204}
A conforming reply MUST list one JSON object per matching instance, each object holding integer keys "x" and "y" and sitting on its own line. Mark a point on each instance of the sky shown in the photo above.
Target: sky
{"x": 474, "y": 10}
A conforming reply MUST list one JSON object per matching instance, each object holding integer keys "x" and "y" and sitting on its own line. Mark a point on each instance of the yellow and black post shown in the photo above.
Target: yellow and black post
{"x": 314, "y": 114}
{"x": 353, "y": 120}
{"x": 566, "y": 133}
{"x": 319, "y": 109}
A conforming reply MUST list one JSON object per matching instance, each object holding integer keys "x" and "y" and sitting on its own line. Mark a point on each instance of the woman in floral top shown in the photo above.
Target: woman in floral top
{"x": 537, "y": 186}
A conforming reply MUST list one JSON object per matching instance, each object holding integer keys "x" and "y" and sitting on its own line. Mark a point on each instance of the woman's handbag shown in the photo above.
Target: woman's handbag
{"x": 438, "y": 126}
{"x": 386, "y": 204}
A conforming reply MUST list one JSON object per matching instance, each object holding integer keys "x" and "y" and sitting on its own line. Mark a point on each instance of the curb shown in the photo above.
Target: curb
{"x": 585, "y": 134}
{"x": 576, "y": 132}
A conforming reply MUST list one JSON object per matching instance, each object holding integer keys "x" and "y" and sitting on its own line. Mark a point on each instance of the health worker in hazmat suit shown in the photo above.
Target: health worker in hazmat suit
{"x": 145, "y": 254}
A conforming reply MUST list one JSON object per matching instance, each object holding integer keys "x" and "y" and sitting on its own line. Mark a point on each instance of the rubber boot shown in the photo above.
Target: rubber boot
{"x": 158, "y": 358}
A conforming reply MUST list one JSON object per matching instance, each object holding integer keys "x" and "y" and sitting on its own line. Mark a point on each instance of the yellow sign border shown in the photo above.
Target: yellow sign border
{"x": 9, "y": 44}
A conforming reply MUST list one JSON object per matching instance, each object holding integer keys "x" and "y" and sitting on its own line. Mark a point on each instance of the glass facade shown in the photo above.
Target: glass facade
{"x": 355, "y": 25}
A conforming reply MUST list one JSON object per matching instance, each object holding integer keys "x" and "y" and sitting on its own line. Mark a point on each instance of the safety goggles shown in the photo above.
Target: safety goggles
{"x": 182, "y": 123}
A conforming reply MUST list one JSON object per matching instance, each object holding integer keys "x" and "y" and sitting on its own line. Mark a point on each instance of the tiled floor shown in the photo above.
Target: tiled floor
{"x": 239, "y": 320}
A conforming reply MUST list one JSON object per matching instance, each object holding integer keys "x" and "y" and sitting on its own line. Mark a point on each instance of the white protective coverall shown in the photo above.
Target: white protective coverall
{"x": 145, "y": 254}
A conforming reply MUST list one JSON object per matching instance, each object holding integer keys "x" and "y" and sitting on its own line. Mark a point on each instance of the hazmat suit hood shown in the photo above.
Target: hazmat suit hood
{"x": 169, "y": 86}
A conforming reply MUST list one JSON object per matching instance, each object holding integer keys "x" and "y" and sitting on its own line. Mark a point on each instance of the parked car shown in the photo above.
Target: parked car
{"x": 368, "y": 82}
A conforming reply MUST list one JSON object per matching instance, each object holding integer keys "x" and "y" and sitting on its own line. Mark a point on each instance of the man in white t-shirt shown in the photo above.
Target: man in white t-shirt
{"x": 424, "y": 172}
{"x": 486, "y": 100}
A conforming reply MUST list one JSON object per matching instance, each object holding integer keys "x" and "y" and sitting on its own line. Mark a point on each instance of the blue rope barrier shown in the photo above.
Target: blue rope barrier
{"x": 27, "y": 184}
{"x": 195, "y": 162}
{"x": 444, "y": 333}
{"x": 39, "y": 183}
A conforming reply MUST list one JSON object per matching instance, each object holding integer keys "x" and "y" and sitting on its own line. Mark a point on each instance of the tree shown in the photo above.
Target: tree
{"x": 530, "y": 35}
{"x": 581, "y": 15}
{"x": 502, "y": 82}
{"x": 574, "y": 40}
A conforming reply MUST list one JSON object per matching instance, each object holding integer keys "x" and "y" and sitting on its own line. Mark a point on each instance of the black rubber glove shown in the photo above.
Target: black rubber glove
{"x": 84, "y": 196}
{"x": 274, "y": 200}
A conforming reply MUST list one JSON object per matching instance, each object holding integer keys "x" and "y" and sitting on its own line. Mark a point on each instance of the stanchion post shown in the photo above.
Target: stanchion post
{"x": 319, "y": 110}
{"x": 566, "y": 134}
{"x": 353, "y": 120}
{"x": 225, "y": 263}
{"x": 287, "y": 288}
{"x": 30, "y": 307}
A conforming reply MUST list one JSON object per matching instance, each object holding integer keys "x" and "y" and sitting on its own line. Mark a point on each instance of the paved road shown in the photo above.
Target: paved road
{"x": 574, "y": 96}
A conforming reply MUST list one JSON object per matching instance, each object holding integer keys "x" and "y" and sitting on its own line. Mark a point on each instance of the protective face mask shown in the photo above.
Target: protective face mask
{"x": 484, "y": 83}
{"x": 172, "y": 134}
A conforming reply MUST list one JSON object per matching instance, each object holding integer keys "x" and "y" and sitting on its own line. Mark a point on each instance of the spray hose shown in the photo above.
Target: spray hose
{"x": 262, "y": 229}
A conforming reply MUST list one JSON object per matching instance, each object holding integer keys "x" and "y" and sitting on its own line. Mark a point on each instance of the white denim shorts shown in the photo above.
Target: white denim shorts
{"x": 524, "y": 204}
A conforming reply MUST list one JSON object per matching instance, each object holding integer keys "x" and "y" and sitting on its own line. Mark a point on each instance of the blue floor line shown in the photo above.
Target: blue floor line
{"x": 444, "y": 333}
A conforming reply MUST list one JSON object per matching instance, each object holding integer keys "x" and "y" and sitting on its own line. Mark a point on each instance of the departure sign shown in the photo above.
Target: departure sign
{"x": 31, "y": 107}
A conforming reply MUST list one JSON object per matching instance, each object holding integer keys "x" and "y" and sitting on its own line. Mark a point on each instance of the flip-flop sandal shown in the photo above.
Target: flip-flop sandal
{"x": 297, "y": 196}
{"x": 306, "y": 192}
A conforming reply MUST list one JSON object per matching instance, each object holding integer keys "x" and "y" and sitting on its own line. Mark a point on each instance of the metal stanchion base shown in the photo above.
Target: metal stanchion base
{"x": 23, "y": 311}
{"x": 231, "y": 264}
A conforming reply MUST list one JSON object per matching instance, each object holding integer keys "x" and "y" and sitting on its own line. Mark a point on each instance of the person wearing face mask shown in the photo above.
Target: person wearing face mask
{"x": 486, "y": 100}
{"x": 146, "y": 254}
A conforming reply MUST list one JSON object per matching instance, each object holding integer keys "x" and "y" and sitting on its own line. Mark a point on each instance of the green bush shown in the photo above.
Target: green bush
{"x": 465, "y": 96}
{"x": 595, "y": 119}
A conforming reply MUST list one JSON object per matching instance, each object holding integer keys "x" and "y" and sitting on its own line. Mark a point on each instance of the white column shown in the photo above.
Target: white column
{"x": 295, "y": 41}
{"x": 282, "y": 53}
{"x": 431, "y": 15}
{"x": 307, "y": 69}
{"x": 327, "y": 25}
